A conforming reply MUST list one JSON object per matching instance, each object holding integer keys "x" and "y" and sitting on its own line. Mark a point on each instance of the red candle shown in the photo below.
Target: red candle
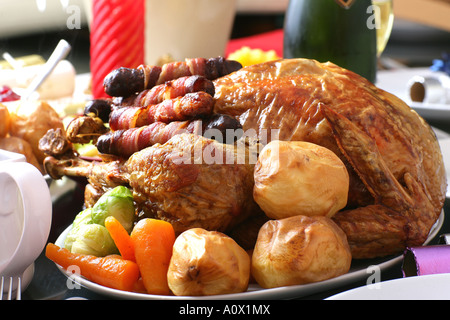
{"x": 117, "y": 38}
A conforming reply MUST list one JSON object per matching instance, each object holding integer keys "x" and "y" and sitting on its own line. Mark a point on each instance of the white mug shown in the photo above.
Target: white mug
{"x": 187, "y": 28}
{"x": 25, "y": 213}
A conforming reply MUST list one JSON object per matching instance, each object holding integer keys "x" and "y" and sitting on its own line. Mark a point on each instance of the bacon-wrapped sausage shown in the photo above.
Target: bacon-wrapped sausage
{"x": 124, "y": 143}
{"x": 189, "y": 106}
{"x": 170, "y": 90}
{"x": 124, "y": 82}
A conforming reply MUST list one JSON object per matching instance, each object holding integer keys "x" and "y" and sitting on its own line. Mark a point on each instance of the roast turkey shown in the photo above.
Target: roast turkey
{"x": 397, "y": 175}
{"x": 398, "y": 181}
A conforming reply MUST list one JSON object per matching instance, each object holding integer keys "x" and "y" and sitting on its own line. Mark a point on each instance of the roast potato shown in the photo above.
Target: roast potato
{"x": 207, "y": 263}
{"x": 31, "y": 121}
{"x": 18, "y": 145}
{"x": 299, "y": 250}
{"x": 299, "y": 178}
{"x": 4, "y": 121}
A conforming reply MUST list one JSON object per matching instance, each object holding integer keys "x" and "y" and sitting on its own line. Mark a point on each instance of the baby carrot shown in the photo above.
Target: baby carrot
{"x": 121, "y": 238}
{"x": 153, "y": 242}
{"x": 109, "y": 271}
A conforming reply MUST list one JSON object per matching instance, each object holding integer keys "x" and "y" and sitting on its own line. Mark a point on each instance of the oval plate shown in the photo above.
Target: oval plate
{"x": 357, "y": 272}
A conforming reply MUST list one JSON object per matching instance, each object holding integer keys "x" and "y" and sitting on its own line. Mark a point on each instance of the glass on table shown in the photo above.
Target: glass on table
{"x": 384, "y": 15}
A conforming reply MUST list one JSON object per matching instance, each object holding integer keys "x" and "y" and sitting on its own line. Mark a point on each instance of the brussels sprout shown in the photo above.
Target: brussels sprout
{"x": 82, "y": 218}
{"x": 94, "y": 239}
{"x": 118, "y": 203}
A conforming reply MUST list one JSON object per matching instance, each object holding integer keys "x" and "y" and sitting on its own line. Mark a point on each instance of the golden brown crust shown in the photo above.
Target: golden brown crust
{"x": 31, "y": 121}
{"x": 171, "y": 182}
{"x": 19, "y": 145}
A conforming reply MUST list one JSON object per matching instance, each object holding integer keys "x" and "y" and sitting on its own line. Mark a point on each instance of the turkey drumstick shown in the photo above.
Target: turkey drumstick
{"x": 170, "y": 182}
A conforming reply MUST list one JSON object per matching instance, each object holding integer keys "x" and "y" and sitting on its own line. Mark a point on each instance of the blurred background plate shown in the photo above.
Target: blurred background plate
{"x": 396, "y": 82}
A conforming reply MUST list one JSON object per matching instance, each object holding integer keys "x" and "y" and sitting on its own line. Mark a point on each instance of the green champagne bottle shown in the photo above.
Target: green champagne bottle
{"x": 340, "y": 31}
